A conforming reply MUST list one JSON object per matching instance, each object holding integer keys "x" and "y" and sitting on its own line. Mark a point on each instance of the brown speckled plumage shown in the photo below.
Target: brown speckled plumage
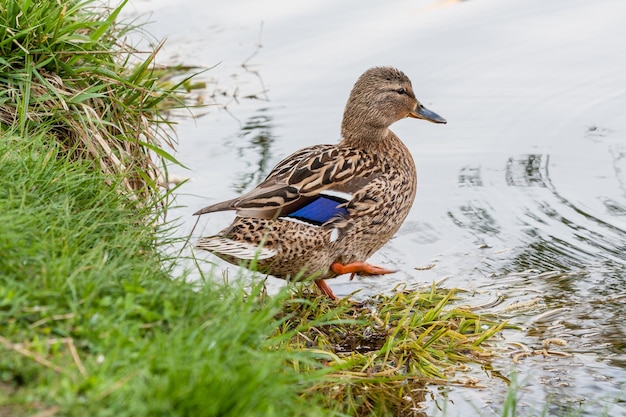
{"x": 370, "y": 170}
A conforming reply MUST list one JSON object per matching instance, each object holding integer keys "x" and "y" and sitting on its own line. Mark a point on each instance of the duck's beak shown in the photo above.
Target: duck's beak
{"x": 422, "y": 112}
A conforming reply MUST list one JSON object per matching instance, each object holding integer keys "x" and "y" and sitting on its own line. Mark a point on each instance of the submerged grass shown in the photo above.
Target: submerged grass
{"x": 385, "y": 351}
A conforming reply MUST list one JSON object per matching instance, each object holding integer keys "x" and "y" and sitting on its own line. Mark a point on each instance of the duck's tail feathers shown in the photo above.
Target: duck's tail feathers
{"x": 240, "y": 250}
{"x": 224, "y": 205}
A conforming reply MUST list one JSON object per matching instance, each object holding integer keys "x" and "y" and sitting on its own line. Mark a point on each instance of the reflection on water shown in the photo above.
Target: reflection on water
{"x": 559, "y": 234}
{"x": 569, "y": 259}
{"x": 470, "y": 177}
{"x": 254, "y": 145}
{"x": 476, "y": 218}
{"x": 586, "y": 240}
{"x": 524, "y": 171}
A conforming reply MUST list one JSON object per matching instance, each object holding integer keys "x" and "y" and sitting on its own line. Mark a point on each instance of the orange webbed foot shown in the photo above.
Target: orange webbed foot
{"x": 361, "y": 268}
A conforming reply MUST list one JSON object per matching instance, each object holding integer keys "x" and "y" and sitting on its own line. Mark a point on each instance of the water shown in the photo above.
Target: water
{"x": 522, "y": 196}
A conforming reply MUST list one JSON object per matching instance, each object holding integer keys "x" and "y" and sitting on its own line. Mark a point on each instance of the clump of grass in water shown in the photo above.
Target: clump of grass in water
{"x": 65, "y": 64}
{"x": 385, "y": 351}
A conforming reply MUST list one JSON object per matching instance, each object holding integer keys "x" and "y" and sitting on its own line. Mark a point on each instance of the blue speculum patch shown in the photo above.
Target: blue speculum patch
{"x": 320, "y": 210}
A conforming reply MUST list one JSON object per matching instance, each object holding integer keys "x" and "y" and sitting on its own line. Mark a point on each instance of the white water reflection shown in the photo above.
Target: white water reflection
{"x": 528, "y": 176}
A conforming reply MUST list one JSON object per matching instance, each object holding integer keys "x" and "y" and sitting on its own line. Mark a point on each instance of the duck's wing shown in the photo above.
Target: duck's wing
{"x": 313, "y": 185}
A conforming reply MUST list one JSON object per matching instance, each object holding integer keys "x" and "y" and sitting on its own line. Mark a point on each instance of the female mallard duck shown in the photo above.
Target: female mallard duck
{"x": 324, "y": 210}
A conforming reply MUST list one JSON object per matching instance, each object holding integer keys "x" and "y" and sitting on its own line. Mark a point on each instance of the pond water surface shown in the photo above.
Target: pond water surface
{"x": 522, "y": 195}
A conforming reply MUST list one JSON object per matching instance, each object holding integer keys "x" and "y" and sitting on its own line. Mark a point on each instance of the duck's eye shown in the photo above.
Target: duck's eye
{"x": 401, "y": 91}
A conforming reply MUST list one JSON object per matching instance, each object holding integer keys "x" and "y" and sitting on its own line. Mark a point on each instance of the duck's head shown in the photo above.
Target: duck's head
{"x": 380, "y": 97}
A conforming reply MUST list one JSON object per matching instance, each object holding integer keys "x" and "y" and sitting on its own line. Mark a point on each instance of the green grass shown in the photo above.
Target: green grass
{"x": 67, "y": 64}
{"x": 384, "y": 351}
{"x": 92, "y": 323}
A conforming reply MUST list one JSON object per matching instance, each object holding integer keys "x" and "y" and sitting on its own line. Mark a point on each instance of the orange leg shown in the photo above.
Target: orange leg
{"x": 361, "y": 268}
{"x": 322, "y": 285}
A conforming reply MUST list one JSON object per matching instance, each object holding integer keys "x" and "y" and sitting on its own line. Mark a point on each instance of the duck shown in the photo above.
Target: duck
{"x": 325, "y": 209}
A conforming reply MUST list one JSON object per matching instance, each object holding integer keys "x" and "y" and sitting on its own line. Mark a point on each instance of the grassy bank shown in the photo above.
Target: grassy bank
{"x": 92, "y": 320}
{"x": 68, "y": 68}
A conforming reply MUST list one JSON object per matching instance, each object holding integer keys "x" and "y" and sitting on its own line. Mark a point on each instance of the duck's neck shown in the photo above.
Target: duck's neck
{"x": 362, "y": 135}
